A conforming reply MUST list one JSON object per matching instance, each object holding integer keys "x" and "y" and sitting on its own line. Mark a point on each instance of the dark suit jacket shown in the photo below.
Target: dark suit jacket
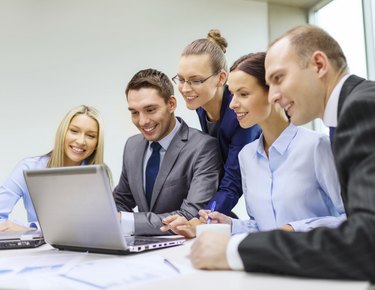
{"x": 347, "y": 252}
{"x": 188, "y": 178}
{"x": 232, "y": 138}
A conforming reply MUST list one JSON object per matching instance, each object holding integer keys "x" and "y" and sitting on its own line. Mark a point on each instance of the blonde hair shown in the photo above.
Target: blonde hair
{"x": 214, "y": 46}
{"x": 57, "y": 154}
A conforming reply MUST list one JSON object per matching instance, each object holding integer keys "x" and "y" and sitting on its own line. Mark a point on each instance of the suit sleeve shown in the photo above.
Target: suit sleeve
{"x": 122, "y": 194}
{"x": 346, "y": 252}
{"x": 202, "y": 186}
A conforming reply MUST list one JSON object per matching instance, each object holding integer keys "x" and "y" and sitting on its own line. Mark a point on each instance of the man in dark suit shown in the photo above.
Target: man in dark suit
{"x": 308, "y": 76}
{"x": 188, "y": 162}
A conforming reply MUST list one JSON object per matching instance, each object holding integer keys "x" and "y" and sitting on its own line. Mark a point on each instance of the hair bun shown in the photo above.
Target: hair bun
{"x": 214, "y": 35}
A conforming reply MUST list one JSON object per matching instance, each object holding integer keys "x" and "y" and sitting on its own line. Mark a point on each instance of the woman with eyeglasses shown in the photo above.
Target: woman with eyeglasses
{"x": 288, "y": 175}
{"x": 79, "y": 141}
{"x": 201, "y": 79}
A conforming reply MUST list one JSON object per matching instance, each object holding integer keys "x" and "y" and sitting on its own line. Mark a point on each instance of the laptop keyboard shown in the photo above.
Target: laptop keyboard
{"x": 131, "y": 241}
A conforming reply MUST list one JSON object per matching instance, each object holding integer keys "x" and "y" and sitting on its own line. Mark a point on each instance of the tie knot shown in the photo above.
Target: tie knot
{"x": 155, "y": 146}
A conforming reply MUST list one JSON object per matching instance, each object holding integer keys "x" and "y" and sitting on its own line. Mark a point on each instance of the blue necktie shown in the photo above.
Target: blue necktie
{"x": 152, "y": 170}
{"x": 331, "y": 134}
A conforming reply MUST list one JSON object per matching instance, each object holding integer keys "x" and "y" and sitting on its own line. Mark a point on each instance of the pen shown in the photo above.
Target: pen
{"x": 171, "y": 265}
{"x": 212, "y": 208}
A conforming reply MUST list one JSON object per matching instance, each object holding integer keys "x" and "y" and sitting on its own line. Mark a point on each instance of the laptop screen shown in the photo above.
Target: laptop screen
{"x": 76, "y": 210}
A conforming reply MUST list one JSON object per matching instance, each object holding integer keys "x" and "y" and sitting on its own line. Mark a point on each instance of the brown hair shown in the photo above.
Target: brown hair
{"x": 214, "y": 45}
{"x": 252, "y": 64}
{"x": 306, "y": 39}
{"x": 151, "y": 78}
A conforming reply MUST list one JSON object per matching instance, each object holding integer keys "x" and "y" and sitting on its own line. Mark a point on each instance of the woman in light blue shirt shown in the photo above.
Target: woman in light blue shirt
{"x": 79, "y": 140}
{"x": 288, "y": 176}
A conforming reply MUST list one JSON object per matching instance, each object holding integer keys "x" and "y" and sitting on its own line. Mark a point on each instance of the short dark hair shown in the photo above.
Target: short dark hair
{"x": 307, "y": 38}
{"x": 252, "y": 64}
{"x": 151, "y": 78}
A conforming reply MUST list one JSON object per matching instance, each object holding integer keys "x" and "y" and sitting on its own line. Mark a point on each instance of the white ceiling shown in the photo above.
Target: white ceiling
{"x": 293, "y": 3}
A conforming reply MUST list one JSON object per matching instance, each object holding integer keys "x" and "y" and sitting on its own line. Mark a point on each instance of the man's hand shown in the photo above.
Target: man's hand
{"x": 180, "y": 225}
{"x": 8, "y": 226}
{"x": 209, "y": 251}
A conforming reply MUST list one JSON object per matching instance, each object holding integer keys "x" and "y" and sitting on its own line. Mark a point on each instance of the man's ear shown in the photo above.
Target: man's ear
{"x": 172, "y": 104}
{"x": 320, "y": 62}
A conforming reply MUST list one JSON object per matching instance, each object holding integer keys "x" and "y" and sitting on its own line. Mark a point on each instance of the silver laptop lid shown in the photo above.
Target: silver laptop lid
{"x": 75, "y": 207}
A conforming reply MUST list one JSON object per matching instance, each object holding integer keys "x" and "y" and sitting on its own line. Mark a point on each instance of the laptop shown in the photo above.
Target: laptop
{"x": 20, "y": 239}
{"x": 76, "y": 211}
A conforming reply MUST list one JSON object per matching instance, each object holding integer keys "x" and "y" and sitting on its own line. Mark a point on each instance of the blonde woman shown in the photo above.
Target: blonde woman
{"x": 79, "y": 141}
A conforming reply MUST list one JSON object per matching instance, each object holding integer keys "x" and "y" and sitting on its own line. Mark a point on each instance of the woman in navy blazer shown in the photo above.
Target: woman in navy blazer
{"x": 201, "y": 79}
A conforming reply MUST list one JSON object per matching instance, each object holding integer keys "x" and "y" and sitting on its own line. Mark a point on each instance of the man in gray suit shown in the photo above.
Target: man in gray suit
{"x": 308, "y": 76}
{"x": 188, "y": 162}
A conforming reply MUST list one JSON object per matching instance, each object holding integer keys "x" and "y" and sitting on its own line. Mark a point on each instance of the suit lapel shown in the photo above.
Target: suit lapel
{"x": 347, "y": 88}
{"x": 138, "y": 173}
{"x": 169, "y": 160}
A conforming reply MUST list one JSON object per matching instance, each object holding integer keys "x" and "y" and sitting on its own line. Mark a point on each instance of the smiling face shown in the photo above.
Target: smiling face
{"x": 81, "y": 139}
{"x": 298, "y": 89}
{"x": 250, "y": 100}
{"x": 150, "y": 114}
{"x": 198, "y": 67}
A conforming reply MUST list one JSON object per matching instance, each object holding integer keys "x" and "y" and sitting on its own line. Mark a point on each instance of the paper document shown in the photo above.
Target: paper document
{"x": 21, "y": 266}
{"x": 121, "y": 272}
{"x": 37, "y": 272}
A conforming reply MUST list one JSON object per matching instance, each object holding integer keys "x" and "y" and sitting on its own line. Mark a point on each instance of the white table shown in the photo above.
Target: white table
{"x": 199, "y": 279}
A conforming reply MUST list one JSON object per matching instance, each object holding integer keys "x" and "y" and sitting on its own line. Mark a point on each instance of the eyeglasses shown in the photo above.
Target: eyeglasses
{"x": 176, "y": 79}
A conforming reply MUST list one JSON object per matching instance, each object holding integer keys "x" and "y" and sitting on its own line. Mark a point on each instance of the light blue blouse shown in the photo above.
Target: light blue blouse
{"x": 15, "y": 188}
{"x": 297, "y": 184}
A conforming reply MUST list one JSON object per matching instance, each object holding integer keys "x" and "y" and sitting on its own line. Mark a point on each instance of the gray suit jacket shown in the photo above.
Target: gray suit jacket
{"x": 347, "y": 252}
{"x": 188, "y": 177}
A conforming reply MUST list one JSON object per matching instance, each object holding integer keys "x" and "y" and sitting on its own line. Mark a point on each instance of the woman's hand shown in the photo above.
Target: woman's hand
{"x": 8, "y": 226}
{"x": 215, "y": 216}
{"x": 287, "y": 228}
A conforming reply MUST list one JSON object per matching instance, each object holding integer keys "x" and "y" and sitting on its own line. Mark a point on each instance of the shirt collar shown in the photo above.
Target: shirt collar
{"x": 281, "y": 144}
{"x": 330, "y": 112}
{"x": 164, "y": 143}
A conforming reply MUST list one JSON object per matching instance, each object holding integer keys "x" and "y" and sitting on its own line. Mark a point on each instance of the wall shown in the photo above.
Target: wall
{"x": 61, "y": 53}
{"x": 282, "y": 18}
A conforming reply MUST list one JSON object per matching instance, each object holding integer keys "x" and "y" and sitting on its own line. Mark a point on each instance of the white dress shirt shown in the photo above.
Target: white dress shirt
{"x": 330, "y": 112}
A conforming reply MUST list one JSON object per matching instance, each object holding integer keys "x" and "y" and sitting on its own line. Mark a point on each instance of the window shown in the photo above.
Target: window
{"x": 345, "y": 22}
{"x": 369, "y": 21}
